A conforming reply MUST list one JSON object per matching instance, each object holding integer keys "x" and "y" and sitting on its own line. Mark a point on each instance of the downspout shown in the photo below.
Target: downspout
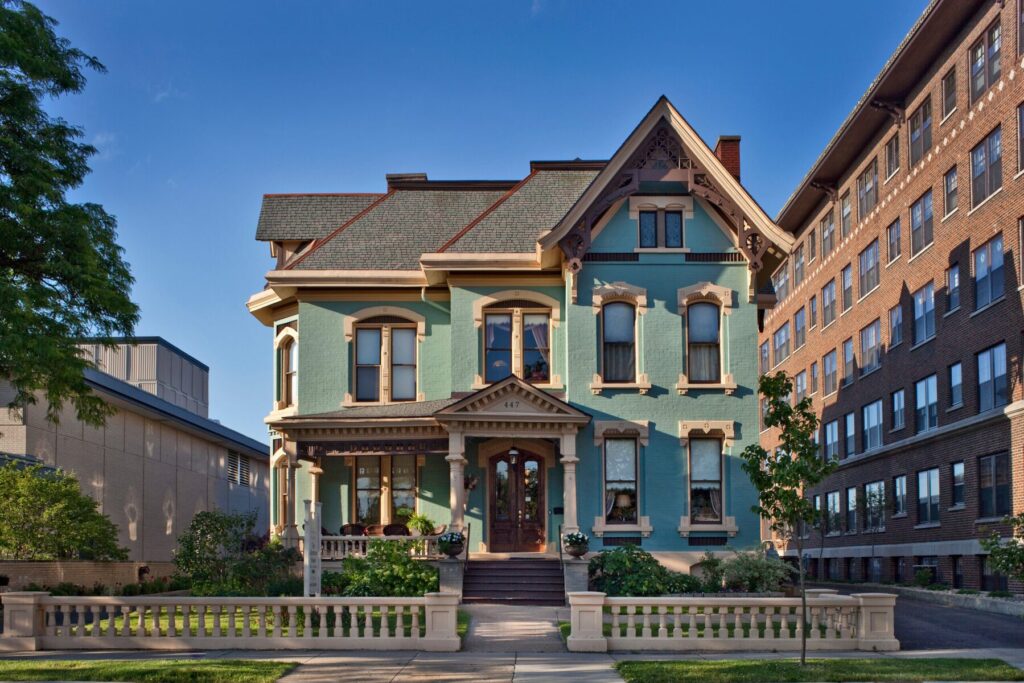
{"x": 424, "y": 299}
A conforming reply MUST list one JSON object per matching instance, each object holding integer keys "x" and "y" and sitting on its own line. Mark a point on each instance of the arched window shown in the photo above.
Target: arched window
{"x": 288, "y": 360}
{"x": 517, "y": 341}
{"x": 618, "y": 335}
{"x": 703, "y": 337}
{"x": 385, "y": 360}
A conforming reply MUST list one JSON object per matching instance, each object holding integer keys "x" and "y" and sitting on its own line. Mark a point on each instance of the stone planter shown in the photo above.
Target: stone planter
{"x": 453, "y": 550}
{"x": 577, "y": 551}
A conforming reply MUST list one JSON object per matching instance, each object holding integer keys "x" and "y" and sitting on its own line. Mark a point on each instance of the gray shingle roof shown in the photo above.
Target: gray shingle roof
{"x": 307, "y": 216}
{"x": 398, "y": 230}
{"x": 396, "y": 410}
{"x": 514, "y": 225}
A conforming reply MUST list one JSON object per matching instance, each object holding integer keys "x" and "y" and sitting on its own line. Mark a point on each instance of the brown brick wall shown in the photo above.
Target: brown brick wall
{"x": 960, "y": 334}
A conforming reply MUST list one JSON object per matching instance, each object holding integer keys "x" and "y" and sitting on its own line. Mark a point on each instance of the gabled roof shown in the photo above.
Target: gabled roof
{"x": 511, "y": 400}
{"x": 515, "y": 222}
{"x": 728, "y": 185}
{"x": 307, "y": 216}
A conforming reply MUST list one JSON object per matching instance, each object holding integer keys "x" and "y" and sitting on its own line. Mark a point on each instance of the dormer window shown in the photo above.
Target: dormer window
{"x": 660, "y": 220}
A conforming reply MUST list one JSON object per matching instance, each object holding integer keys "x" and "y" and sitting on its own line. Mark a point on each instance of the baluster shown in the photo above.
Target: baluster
{"x": 126, "y": 616}
{"x": 307, "y": 621}
{"x": 276, "y": 611}
{"x": 616, "y": 628}
{"x": 815, "y": 631}
{"x": 200, "y": 621}
{"x": 737, "y": 627}
{"x": 400, "y": 621}
{"x": 755, "y": 622}
{"x": 784, "y": 613}
{"x": 708, "y": 630}
{"x": 215, "y": 612}
{"x": 722, "y": 630}
{"x": 49, "y": 620}
{"x": 415, "y": 621}
{"x": 631, "y": 621}
{"x": 261, "y": 613}
{"x": 662, "y": 628}
{"x": 677, "y": 626}
{"x": 769, "y": 623}
{"x": 368, "y": 622}
{"x": 293, "y": 621}
{"x": 691, "y": 630}
{"x": 155, "y": 633}
{"x": 645, "y": 629}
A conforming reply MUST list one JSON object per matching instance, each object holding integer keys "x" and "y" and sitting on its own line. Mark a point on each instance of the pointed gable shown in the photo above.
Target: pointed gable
{"x": 511, "y": 400}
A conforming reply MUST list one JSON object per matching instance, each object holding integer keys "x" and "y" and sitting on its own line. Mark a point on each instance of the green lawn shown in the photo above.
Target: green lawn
{"x": 169, "y": 670}
{"x": 756, "y": 671}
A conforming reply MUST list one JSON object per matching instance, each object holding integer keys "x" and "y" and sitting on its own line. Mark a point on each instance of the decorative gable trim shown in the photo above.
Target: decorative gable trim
{"x": 609, "y": 429}
{"x": 726, "y": 429}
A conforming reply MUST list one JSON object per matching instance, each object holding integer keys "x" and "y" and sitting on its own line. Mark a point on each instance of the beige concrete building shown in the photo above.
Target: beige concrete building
{"x": 158, "y": 461}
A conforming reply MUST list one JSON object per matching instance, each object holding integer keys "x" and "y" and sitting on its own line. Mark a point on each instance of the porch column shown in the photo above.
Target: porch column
{"x": 457, "y": 469}
{"x": 570, "y": 522}
{"x": 290, "y": 536}
{"x": 314, "y": 477}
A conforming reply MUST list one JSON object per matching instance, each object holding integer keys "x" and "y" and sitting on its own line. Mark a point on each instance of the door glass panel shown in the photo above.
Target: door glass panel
{"x": 502, "y": 491}
{"x": 531, "y": 490}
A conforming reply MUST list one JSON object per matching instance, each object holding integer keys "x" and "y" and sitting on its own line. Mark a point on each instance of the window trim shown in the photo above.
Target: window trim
{"x": 620, "y": 292}
{"x": 385, "y": 367}
{"x": 722, "y": 297}
{"x": 643, "y": 523}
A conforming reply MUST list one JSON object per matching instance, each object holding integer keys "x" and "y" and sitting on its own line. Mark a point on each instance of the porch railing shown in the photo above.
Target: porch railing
{"x": 339, "y": 547}
{"x": 39, "y": 621}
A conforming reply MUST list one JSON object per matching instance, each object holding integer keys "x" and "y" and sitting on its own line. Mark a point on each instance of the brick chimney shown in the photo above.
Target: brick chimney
{"x": 727, "y": 149}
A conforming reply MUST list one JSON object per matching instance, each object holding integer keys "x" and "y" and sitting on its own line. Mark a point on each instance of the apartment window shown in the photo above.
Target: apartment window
{"x": 987, "y": 167}
{"x": 368, "y": 481}
{"x": 984, "y": 59}
{"x": 781, "y": 339}
{"x": 703, "y": 349}
{"x": 956, "y": 385}
{"x": 799, "y": 328}
{"x": 648, "y": 229}
{"x": 957, "y": 479}
{"x": 849, "y": 362}
{"x": 814, "y": 377}
{"x": 828, "y": 303}
{"x": 831, "y": 380}
{"x": 834, "y": 517}
{"x": 994, "y": 485}
{"x": 872, "y": 425}
{"x": 618, "y": 329}
{"x": 1020, "y": 136}
{"x": 892, "y": 156}
{"x": 895, "y": 325}
{"x": 992, "y": 384}
{"x": 765, "y": 362}
{"x": 763, "y": 417}
{"x": 898, "y": 409}
{"x": 238, "y": 469}
{"x": 899, "y": 495}
{"x": 869, "y": 272}
{"x": 845, "y": 215}
{"x": 705, "y": 481}
{"x": 781, "y": 281}
{"x": 949, "y": 92}
{"x": 850, "y": 423}
{"x": 867, "y": 189}
{"x": 620, "y": 489}
{"x": 385, "y": 362}
{"x": 958, "y": 572}
{"x": 798, "y": 265}
{"x": 920, "y": 131}
{"x": 924, "y": 313}
{"x": 921, "y": 223}
{"x": 812, "y": 246}
{"x": 828, "y": 233}
{"x": 403, "y": 487}
{"x": 894, "y": 240}
{"x": 870, "y": 347}
{"x": 812, "y": 308}
{"x": 953, "y": 288}
{"x": 950, "y": 185}
{"x": 927, "y": 404}
{"x": 832, "y": 440}
{"x": 928, "y": 496}
{"x": 288, "y": 361}
{"x": 874, "y": 506}
{"x": 847, "y": 287}
{"x": 800, "y": 385}
{"x": 988, "y": 272}
{"x": 851, "y": 510}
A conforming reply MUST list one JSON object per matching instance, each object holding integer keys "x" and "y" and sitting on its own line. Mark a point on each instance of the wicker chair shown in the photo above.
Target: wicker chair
{"x": 353, "y": 530}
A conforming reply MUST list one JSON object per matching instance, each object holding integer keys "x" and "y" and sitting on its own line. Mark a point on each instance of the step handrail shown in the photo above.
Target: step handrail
{"x": 561, "y": 559}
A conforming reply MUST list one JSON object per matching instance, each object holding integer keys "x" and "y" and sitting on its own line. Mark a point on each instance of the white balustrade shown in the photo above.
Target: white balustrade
{"x": 863, "y": 621}
{"x": 39, "y": 621}
{"x": 334, "y": 548}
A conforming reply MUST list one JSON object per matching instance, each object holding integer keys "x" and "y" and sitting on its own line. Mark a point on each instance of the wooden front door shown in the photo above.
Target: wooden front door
{"x": 517, "y": 511}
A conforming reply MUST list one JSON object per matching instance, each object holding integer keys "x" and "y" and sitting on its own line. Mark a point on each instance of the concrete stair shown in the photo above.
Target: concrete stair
{"x": 514, "y": 582}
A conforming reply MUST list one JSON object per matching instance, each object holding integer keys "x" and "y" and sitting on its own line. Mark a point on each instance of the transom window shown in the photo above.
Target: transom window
{"x": 517, "y": 341}
{"x": 987, "y": 167}
{"x": 703, "y": 336}
{"x": 620, "y": 481}
{"x": 618, "y": 333}
{"x": 984, "y": 57}
{"x": 705, "y": 481}
{"x": 385, "y": 360}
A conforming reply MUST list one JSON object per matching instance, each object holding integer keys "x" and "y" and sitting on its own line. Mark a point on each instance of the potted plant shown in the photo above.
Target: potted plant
{"x": 576, "y": 544}
{"x": 420, "y": 525}
{"x": 451, "y": 543}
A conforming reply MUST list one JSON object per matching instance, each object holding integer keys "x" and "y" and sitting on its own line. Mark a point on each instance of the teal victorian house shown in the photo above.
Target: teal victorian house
{"x": 575, "y": 350}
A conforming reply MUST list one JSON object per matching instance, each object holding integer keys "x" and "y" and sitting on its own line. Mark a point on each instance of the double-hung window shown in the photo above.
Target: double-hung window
{"x": 920, "y": 131}
{"x": 851, "y": 510}
{"x": 368, "y": 487}
{"x": 800, "y": 385}
{"x": 984, "y": 60}
{"x": 812, "y": 246}
{"x": 814, "y": 377}
{"x": 385, "y": 362}
{"x": 867, "y": 190}
{"x": 899, "y": 495}
{"x": 949, "y": 92}
{"x": 994, "y": 485}
{"x": 845, "y": 215}
{"x": 833, "y": 521}
{"x": 956, "y": 385}
{"x": 895, "y": 325}
{"x": 870, "y": 347}
{"x": 781, "y": 339}
{"x": 869, "y": 268}
{"x": 648, "y": 229}
{"x": 851, "y": 434}
{"x": 951, "y": 187}
{"x": 847, "y": 276}
{"x": 288, "y": 362}
{"x": 765, "y": 359}
{"x": 812, "y": 309}
{"x": 505, "y": 328}
{"x": 828, "y": 233}
{"x": 703, "y": 350}
{"x": 799, "y": 328}
{"x": 924, "y": 313}
{"x": 798, "y": 265}
{"x": 898, "y": 409}
{"x": 928, "y": 496}
{"x": 705, "y": 481}
{"x": 874, "y": 506}
{"x": 926, "y": 414}
{"x": 403, "y": 487}
{"x": 620, "y": 481}
{"x": 993, "y": 389}
{"x": 921, "y": 223}
{"x": 849, "y": 361}
{"x": 618, "y": 337}
{"x": 831, "y": 379}
{"x": 953, "y": 288}
{"x": 892, "y": 156}
{"x": 828, "y": 303}
{"x": 987, "y": 167}
{"x": 988, "y": 272}
{"x": 872, "y": 425}
{"x": 956, "y": 472}
{"x": 894, "y": 240}
{"x": 781, "y": 281}
{"x": 832, "y": 440}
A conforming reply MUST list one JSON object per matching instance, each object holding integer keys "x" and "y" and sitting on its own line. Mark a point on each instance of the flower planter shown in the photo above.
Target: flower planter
{"x": 577, "y": 551}
{"x": 453, "y": 550}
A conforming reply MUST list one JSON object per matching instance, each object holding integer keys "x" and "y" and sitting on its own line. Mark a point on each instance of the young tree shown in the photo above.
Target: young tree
{"x": 783, "y": 475}
{"x": 45, "y": 516}
{"x": 62, "y": 275}
{"x": 1007, "y": 557}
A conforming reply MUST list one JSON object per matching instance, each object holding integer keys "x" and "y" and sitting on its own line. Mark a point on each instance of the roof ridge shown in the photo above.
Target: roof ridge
{"x": 486, "y": 212}
{"x": 322, "y": 194}
{"x": 319, "y": 243}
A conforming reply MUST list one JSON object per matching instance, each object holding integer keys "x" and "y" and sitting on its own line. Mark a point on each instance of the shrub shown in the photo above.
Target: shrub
{"x": 754, "y": 573}
{"x": 628, "y": 571}
{"x": 387, "y": 570}
{"x": 334, "y": 583}
{"x": 684, "y": 583}
{"x": 712, "y": 572}
{"x": 968, "y": 591}
{"x": 923, "y": 578}
{"x": 1000, "y": 594}
{"x": 937, "y": 587}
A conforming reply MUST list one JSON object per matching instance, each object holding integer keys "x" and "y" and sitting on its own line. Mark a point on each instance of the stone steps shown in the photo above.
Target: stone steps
{"x": 514, "y": 582}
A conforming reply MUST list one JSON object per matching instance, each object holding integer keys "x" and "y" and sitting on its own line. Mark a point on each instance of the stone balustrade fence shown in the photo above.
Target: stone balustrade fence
{"x": 862, "y": 621}
{"x": 40, "y": 621}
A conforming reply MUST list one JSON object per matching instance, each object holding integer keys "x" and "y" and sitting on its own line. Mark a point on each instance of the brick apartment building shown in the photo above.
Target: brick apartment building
{"x": 900, "y": 309}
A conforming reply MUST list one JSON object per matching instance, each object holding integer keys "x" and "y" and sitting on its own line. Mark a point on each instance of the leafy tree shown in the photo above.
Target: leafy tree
{"x": 45, "y": 516}
{"x": 782, "y": 476}
{"x": 1007, "y": 557}
{"x": 62, "y": 275}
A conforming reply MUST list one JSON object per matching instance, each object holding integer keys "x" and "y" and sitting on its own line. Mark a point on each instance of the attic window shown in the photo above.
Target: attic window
{"x": 661, "y": 221}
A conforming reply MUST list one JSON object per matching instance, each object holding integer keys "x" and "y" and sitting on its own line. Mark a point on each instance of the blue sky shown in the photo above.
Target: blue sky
{"x": 208, "y": 105}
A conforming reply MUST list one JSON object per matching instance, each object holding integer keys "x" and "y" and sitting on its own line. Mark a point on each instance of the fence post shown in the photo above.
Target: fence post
{"x": 875, "y": 621}
{"x": 23, "y": 620}
{"x": 441, "y": 623}
{"x": 586, "y": 623}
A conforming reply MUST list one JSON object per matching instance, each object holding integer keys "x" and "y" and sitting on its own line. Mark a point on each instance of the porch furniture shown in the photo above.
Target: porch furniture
{"x": 375, "y": 530}
{"x": 440, "y": 529}
{"x": 396, "y": 530}
{"x": 352, "y": 530}
{"x": 334, "y": 548}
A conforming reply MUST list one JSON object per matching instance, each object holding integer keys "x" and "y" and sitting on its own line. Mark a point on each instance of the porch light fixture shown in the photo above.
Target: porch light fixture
{"x": 513, "y": 453}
